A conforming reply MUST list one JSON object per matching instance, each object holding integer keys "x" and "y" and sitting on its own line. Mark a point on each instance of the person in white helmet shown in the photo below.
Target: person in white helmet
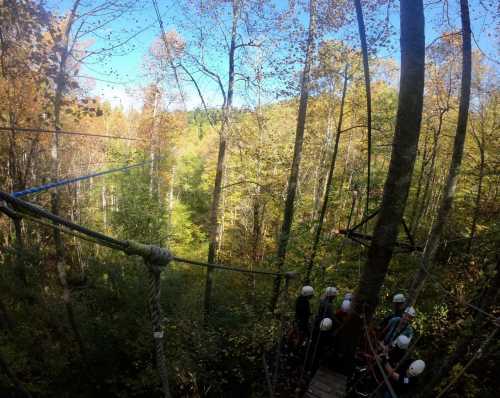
{"x": 343, "y": 311}
{"x": 303, "y": 312}
{"x": 322, "y": 343}
{"x": 399, "y": 305}
{"x": 326, "y": 305}
{"x": 397, "y": 350}
{"x": 399, "y": 325}
{"x": 403, "y": 381}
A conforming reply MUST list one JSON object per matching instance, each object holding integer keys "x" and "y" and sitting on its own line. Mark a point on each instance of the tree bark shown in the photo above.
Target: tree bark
{"x": 320, "y": 175}
{"x": 422, "y": 204}
{"x": 297, "y": 153}
{"x": 221, "y": 161}
{"x": 477, "y": 202}
{"x": 55, "y": 171}
{"x": 429, "y": 254}
{"x": 319, "y": 227}
{"x": 398, "y": 180}
{"x": 421, "y": 173}
{"x": 366, "y": 70}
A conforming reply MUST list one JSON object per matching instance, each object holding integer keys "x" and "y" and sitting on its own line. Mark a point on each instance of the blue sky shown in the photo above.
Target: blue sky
{"x": 118, "y": 78}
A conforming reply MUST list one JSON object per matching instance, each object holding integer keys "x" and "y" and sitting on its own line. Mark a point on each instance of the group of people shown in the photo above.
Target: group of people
{"x": 326, "y": 314}
{"x": 394, "y": 334}
{"x": 320, "y": 330}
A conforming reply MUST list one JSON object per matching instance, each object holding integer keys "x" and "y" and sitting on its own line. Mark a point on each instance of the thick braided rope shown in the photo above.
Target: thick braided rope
{"x": 154, "y": 273}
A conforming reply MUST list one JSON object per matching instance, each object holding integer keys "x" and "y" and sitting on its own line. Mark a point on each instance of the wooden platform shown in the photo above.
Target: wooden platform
{"x": 327, "y": 384}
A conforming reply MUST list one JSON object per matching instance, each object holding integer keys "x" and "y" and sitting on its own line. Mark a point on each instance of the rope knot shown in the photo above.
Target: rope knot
{"x": 158, "y": 256}
{"x": 155, "y": 256}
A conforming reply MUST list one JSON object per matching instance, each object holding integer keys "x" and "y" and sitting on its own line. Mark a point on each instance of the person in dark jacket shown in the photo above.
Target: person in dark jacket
{"x": 399, "y": 305}
{"x": 397, "y": 351}
{"x": 399, "y": 325}
{"x": 303, "y": 312}
{"x": 403, "y": 381}
{"x": 326, "y": 309}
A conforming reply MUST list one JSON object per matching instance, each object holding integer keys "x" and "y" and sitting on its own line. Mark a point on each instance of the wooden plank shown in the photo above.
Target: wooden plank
{"x": 326, "y": 384}
{"x": 323, "y": 386}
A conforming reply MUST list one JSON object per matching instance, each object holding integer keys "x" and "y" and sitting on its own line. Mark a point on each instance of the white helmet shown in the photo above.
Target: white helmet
{"x": 399, "y": 298}
{"x": 331, "y": 291}
{"x": 402, "y": 342}
{"x": 326, "y": 324}
{"x": 416, "y": 367}
{"x": 410, "y": 311}
{"x": 346, "y": 305}
{"x": 307, "y": 291}
{"x": 348, "y": 296}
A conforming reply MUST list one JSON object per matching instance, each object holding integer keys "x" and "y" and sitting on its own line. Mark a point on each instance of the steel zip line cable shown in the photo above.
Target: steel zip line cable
{"x": 64, "y": 132}
{"x": 67, "y": 181}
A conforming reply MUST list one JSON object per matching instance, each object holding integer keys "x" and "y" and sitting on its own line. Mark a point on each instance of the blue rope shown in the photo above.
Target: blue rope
{"x": 67, "y": 181}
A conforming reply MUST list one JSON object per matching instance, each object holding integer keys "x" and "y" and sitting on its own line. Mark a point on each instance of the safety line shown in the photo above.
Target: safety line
{"x": 64, "y": 132}
{"x": 377, "y": 360}
{"x": 22, "y": 207}
{"x": 66, "y": 231}
{"x": 67, "y": 181}
{"x": 401, "y": 361}
{"x": 224, "y": 267}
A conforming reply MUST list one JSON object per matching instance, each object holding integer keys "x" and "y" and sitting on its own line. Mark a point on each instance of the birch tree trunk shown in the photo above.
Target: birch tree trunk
{"x": 429, "y": 254}
{"x": 297, "y": 153}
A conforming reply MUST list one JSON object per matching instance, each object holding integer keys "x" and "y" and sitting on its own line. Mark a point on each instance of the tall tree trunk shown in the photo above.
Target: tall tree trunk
{"x": 398, "y": 180}
{"x": 17, "y": 184}
{"x": 366, "y": 70}
{"x": 154, "y": 147}
{"x": 317, "y": 235}
{"x": 477, "y": 202}
{"x": 55, "y": 171}
{"x": 422, "y": 204}
{"x": 258, "y": 206}
{"x": 319, "y": 178}
{"x": 170, "y": 212}
{"x": 221, "y": 161}
{"x": 297, "y": 153}
{"x": 416, "y": 200}
{"x": 429, "y": 255}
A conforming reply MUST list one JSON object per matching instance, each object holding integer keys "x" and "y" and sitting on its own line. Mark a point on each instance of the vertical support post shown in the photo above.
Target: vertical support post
{"x": 154, "y": 273}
